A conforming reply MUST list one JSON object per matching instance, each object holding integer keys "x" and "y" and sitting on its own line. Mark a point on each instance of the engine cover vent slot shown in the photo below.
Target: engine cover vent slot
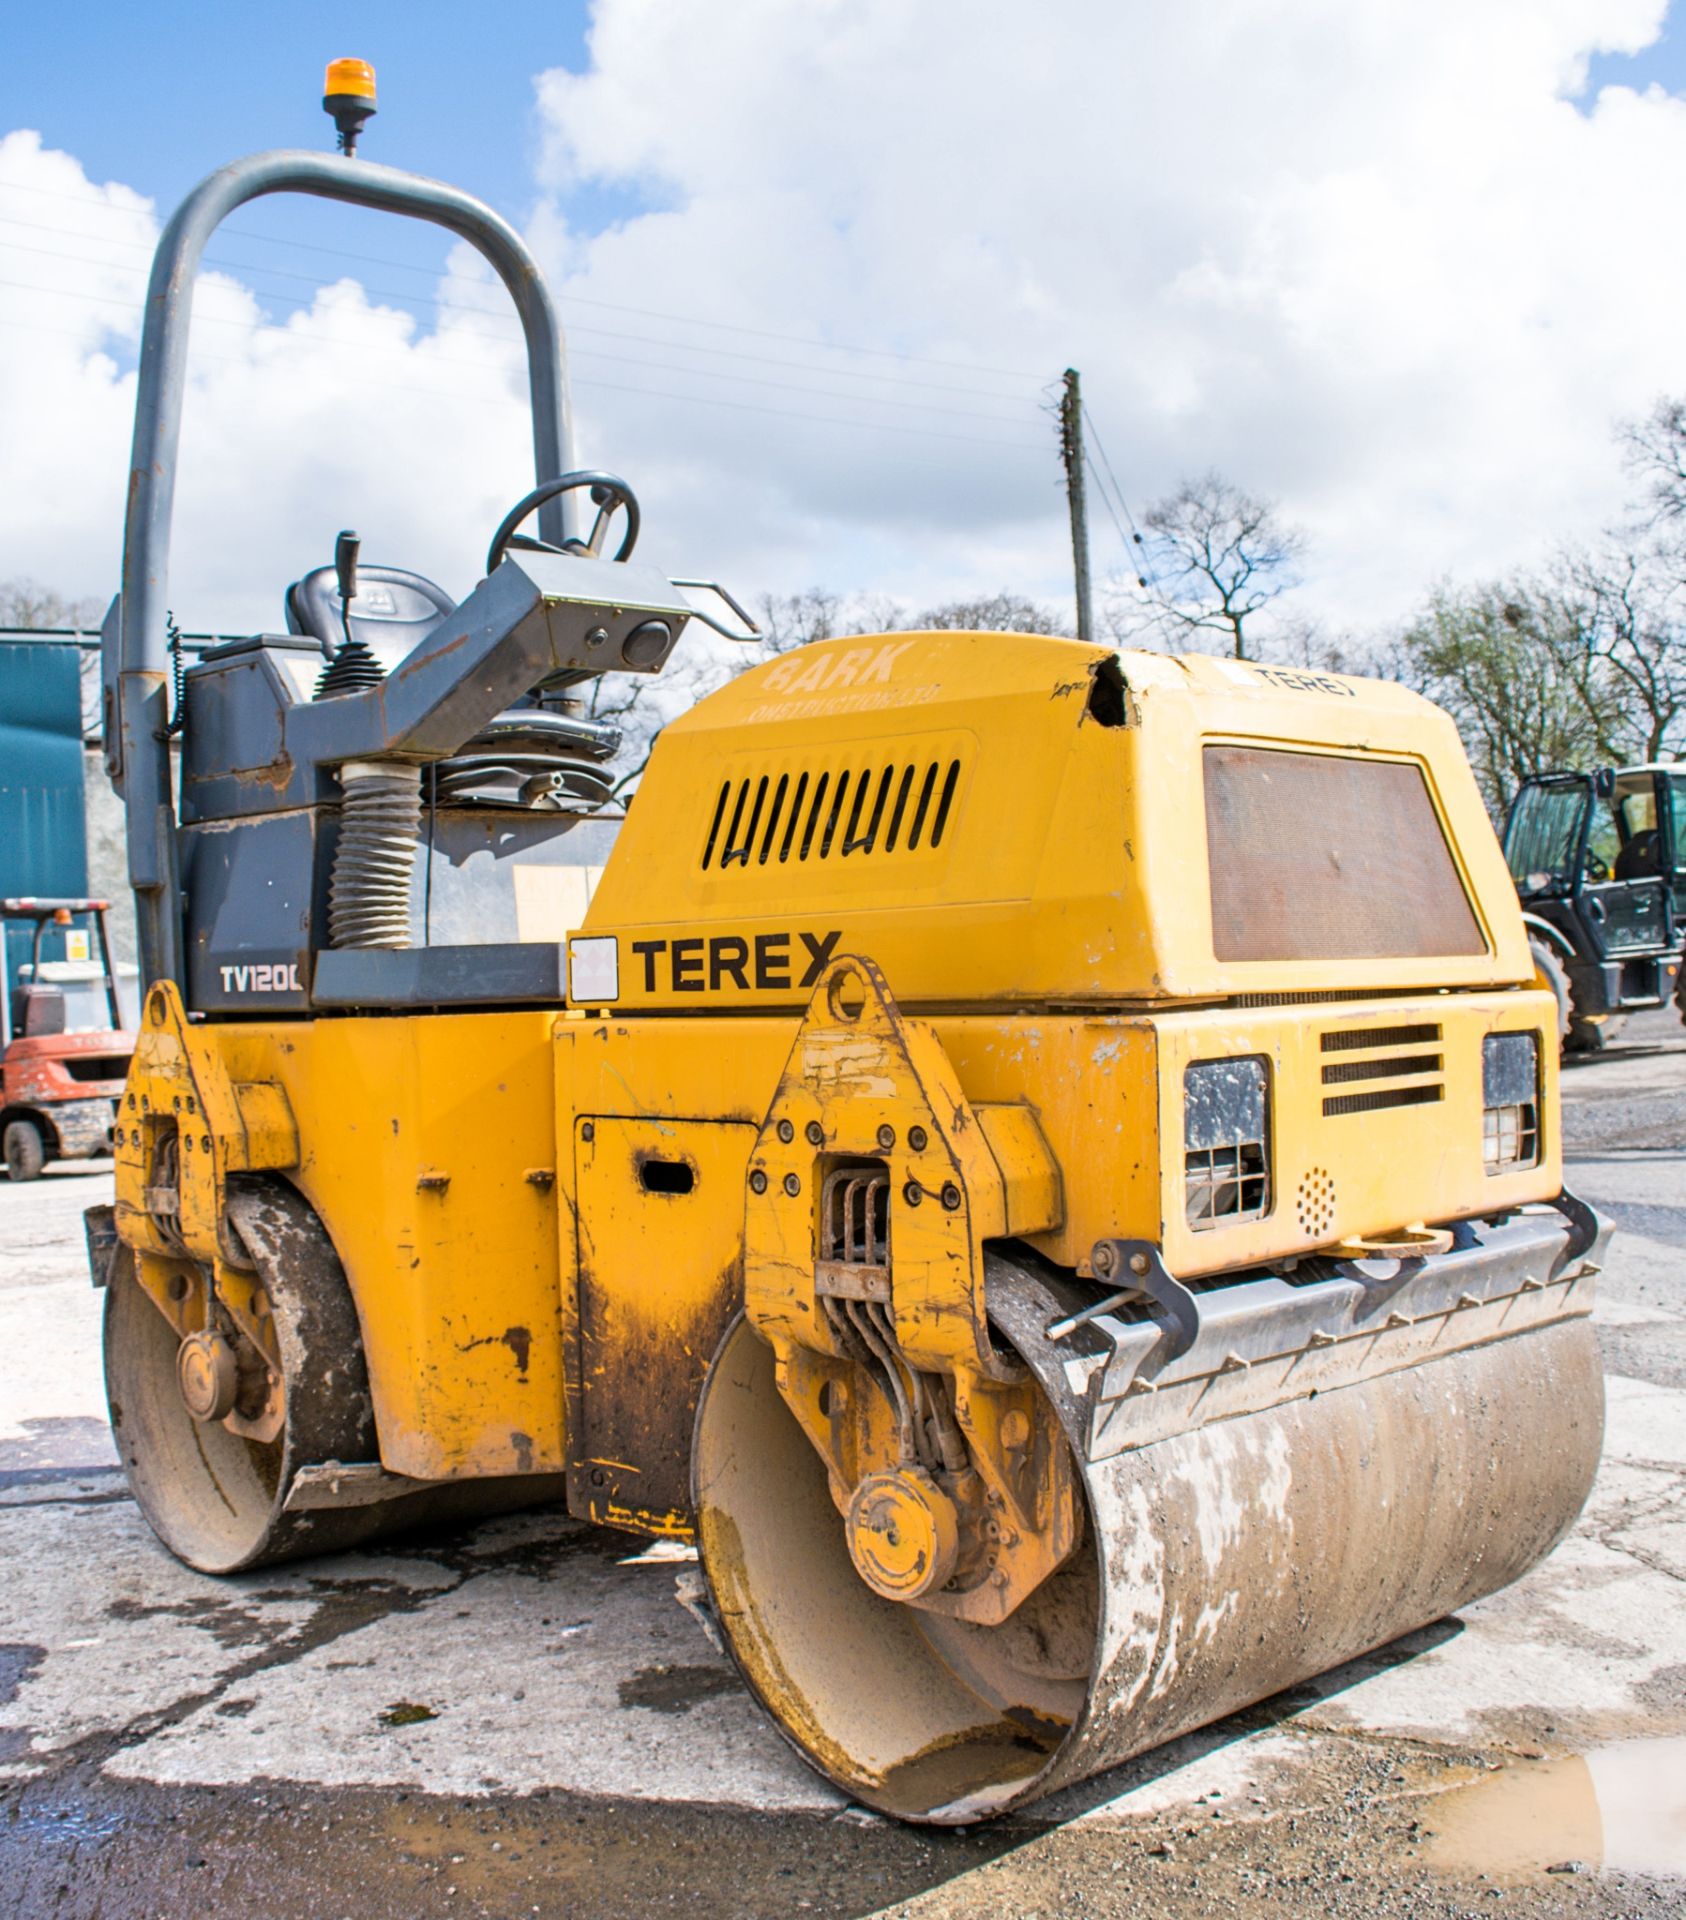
{"x": 1388, "y": 1060}
{"x": 1362, "y": 1039}
{"x": 807, "y": 815}
{"x": 1417, "y": 1096}
{"x": 1395, "y": 1067}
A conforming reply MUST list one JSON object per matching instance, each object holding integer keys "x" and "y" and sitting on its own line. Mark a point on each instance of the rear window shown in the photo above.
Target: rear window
{"x": 1321, "y": 857}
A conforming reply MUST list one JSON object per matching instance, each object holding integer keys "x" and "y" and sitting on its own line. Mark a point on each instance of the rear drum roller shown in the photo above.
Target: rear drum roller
{"x": 1217, "y": 1566}
{"x": 215, "y": 1497}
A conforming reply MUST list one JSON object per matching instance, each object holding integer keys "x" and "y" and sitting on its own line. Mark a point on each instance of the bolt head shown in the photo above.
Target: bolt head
{"x": 815, "y": 1134}
{"x": 918, "y": 1139}
{"x": 886, "y": 1138}
{"x": 787, "y": 1132}
{"x": 913, "y": 1193}
{"x": 792, "y": 1185}
{"x": 951, "y": 1197}
{"x": 587, "y": 1131}
{"x": 758, "y": 1181}
{"x": 1103, "y": 1260}
{"x": 1138, "y": 1263}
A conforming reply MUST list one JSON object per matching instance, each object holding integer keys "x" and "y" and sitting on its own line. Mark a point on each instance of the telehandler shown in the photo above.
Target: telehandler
{"x": 1600, "y": 868}
{"x": 1045, "y": 1164}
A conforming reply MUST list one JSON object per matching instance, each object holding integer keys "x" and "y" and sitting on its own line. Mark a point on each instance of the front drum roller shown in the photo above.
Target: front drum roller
{"x": 1218, "y": 1566}
{"x": 217, "y": 1498}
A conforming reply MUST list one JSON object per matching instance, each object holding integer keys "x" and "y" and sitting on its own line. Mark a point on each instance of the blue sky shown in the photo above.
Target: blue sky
{"x": 1363, "y": 260}
{"x": 157, "y": 97}
{"x": 1662, "y": 64}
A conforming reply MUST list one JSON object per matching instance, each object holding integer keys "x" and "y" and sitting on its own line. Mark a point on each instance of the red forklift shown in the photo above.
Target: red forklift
{"x": 64, "y": 1050}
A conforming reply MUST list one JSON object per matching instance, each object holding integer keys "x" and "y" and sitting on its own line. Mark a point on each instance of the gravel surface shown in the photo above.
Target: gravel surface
{"x": 526, "y": 1717}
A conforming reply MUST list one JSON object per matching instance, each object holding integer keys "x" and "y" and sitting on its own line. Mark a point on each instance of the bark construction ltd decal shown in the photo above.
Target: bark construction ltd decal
{"x": 762, "y": 962}
{"x": 849, "y": 680}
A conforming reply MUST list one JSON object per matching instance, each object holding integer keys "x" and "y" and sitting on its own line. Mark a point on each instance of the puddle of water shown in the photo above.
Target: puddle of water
{"x": 1622, "y": 1808}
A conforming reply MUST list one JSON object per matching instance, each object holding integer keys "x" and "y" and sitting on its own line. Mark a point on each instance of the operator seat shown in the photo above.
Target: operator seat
{"x": 391, "y": 611}
{"x": 1639, "y": 859}
{"x": 531, "y": 754}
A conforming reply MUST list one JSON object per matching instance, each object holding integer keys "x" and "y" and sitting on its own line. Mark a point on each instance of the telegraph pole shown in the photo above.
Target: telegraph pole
{"x": 1071, "y": 452}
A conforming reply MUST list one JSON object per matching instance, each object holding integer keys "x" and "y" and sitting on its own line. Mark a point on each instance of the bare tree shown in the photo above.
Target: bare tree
{"x": 1632, "y": 597}
{"x": 1001, "y": 612}
{"x": 30, "y": 607}
{"x": 643, "y": 705}
{"x": 1217, "y": 556}
{"x": 1510, "y": 661}
{"x": 1635, "y": 582}
{"x": 1655, "y": 452}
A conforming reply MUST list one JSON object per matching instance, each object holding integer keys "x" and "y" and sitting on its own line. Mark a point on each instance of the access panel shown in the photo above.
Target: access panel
{"x": 660, "y": 1229}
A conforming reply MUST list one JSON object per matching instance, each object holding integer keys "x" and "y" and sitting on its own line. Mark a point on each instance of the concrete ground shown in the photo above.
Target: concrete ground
{"x": 527, "y": 1717}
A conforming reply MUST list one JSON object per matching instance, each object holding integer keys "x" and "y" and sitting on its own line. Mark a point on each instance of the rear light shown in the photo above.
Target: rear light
{"x": 1510, "y": 1097}
{"x": 1226, "y": 1141}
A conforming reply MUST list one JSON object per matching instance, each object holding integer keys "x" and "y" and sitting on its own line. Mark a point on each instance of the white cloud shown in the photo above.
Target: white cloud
{"x": 1377, "y": 261}
{"x": 1374, "y": 260}
{"x": 341, "y": 414}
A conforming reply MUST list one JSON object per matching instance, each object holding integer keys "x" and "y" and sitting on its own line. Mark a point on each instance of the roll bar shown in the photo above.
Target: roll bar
{"x": 136, "y": 642}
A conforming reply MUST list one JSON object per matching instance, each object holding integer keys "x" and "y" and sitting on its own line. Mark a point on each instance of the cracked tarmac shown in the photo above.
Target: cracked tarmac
{"x": 527, "y": 1716}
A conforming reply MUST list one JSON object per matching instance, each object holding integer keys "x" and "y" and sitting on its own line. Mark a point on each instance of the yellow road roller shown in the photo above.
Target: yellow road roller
{"x": 1044, "y": 1163}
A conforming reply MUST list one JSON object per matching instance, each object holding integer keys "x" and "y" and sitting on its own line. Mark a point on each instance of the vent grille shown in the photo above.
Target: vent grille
{"x": 1306, "y": 997}
{"x": 804, "y": 816}
{"x": 1388, "y": 1061}
{"x": 1384, "y": 1097}
{"x": 1353, "y": 1039}
{"x": 1391, "y": 1069}
{"x": 1315, "y": 1202}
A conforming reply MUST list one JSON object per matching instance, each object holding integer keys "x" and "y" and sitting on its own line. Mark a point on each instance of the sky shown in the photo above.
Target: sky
{"x": 1398, "y": 267}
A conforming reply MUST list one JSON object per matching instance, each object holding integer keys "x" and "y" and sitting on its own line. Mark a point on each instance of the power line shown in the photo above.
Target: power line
{"x": 508, "y": 329}
{"x": 345, "y": 345}
{"x": 1135, "y": 547}
{"x": 607, "y": 386}
{"x": 1100, "y": 447}
{"x": 649, "y": 313}
{"x": 591, "y": 353}
{"x": 1106, "y": 499}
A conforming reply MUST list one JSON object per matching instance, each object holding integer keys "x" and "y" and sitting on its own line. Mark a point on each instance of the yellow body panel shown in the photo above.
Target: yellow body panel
{"x": 660, "y": 1272}
{"x": 428, "y": 1148}
{"x": 1074, "y": 850}
{"x": 458, "y": 1285}
{"x": 530, "y": 1303}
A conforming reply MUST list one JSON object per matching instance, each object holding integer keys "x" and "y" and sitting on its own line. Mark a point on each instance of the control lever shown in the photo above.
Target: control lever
{"x": 346, "y": 547}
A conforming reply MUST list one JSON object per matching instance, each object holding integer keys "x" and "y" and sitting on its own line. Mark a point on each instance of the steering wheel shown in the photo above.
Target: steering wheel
{"x": 608, "y": 492}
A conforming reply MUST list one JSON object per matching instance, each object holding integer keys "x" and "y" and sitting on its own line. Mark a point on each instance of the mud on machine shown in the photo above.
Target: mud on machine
{"x": 1045, "y": 1163}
